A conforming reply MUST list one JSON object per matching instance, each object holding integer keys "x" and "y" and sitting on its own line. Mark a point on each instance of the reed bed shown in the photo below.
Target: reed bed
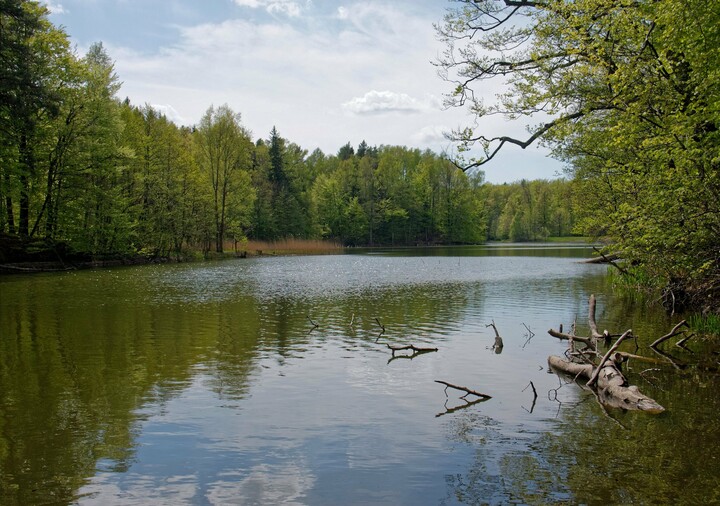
{"x": 285, "y": 247}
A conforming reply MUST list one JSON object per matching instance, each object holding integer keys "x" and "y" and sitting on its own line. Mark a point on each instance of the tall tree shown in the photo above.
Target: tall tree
{"x": 35, "y": 56}
{"x": 225, "y": 152}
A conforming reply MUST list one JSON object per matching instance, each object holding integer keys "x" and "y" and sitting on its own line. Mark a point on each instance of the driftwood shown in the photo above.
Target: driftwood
{"x": 607, "y": 259}
{"x": 640, "y": 358}
{"x": 382, "y": 331}
{"x": 611, "y": 385}
{"x": 568, "y": 337}
{"x": 595, "y": 335}
{"x": 498, "y": 346}
{"x": 463, "y": 389}
{"x": 480, "y": 397}
{"x": 612, "y": 388}
{"x": 591, "y": 321}
{"x": 603, "y": 361}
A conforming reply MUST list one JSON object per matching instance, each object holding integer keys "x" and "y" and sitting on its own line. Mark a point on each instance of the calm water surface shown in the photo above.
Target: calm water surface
{"x": 208, "y": 384}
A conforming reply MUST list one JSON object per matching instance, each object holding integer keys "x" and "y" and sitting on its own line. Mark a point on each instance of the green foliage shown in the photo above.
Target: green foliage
{"x": 224, "y": 153}
{"x": 632, "y": 92}
{"x": 530, "y": 210}
{"x": 705, "y": 324}
{"x": 394, "y": 195}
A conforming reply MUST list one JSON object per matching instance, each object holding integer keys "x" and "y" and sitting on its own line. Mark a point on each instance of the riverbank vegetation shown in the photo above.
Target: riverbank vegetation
{"x": 628, "y": 94}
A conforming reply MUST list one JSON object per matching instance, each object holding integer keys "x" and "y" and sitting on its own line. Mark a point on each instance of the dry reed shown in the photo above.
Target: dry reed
{"x": 285, "y": 247}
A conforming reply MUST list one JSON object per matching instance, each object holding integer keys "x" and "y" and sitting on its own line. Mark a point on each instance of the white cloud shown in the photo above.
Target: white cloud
{"x": 375, "y": 102}
{"x": 433, "y": 134}
{"x": 308, "y": 75}
{"x": 288, "y": 7}
{"x": 169, "y": 112}
{"x": 342, "y": 13}
{"x": 54, "y": 8}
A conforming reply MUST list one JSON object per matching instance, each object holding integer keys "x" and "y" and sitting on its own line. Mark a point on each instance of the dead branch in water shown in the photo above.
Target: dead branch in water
{"x": 596, "y": 373}
{"x": 606, "y": 379}
{"x": 681, "y": 342}
{"x": 568, "y": 337}
{"x": 314, "y": 325}
{"x": 612, "y": 386}
{"x": 674, "y": 332}
{"x": 415, "y": 349}
{"x": 463, "y": 389}
{"x": 591, "y": 321}
{"x": 494, "y": 328}
{"x": 535, "y": 396}
{"x": 498, "y": 346}
{"x": 607, "y": 259}
{"x": 382, "y": 330}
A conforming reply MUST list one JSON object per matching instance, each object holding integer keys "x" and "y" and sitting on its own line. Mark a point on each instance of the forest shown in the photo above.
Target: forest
{"x": 91, "y": 173}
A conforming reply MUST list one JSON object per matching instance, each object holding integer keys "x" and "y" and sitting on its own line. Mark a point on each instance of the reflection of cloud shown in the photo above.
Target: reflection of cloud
{"x": 140, "y": 491}
{"x": 264, "y": 485}
{"x": 386, "y": 101}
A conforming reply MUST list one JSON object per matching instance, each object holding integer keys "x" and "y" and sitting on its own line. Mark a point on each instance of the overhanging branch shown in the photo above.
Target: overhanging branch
{"x": 502, "y": 140}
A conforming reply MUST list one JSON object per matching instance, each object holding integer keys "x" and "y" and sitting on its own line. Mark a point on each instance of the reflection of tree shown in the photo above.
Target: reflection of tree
{"x": 73, "y": 376}
{"x": 76, "y": 371}
{"x": 597, "y": 457}
{"x": 588, "y": 459}
{"x": 669, "y": 459}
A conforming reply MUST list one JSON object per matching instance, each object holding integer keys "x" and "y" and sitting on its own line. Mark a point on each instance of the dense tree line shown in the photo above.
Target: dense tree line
{"x": 103, "y": 176}
{"x": 628, "y": 94}
{"x": 530, "y": 210}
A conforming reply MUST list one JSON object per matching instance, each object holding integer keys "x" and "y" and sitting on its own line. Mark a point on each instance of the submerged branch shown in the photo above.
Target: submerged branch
{"x": 415, "y": 349}
{"x": 674, "y": 332}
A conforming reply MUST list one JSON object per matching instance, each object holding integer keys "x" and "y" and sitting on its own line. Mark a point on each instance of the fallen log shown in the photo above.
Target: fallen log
{"x": 608, "y": 259}
{"x": 612, "y": 387}
{"x": 603, "y": 361}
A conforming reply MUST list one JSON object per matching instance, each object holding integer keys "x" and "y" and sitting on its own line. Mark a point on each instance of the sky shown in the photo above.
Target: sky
{"x": 324, "y": 73}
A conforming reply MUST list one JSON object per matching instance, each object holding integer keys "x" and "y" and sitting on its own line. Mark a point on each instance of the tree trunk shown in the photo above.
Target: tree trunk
{"x": 612, "y": 387}
{"x": 9, "y": 205}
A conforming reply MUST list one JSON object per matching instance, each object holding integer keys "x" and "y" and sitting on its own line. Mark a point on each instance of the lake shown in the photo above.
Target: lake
{"x": 269, "y": 381}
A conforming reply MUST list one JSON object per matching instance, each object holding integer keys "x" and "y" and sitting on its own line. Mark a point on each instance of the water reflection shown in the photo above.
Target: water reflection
{"x": 208, "y": 384}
